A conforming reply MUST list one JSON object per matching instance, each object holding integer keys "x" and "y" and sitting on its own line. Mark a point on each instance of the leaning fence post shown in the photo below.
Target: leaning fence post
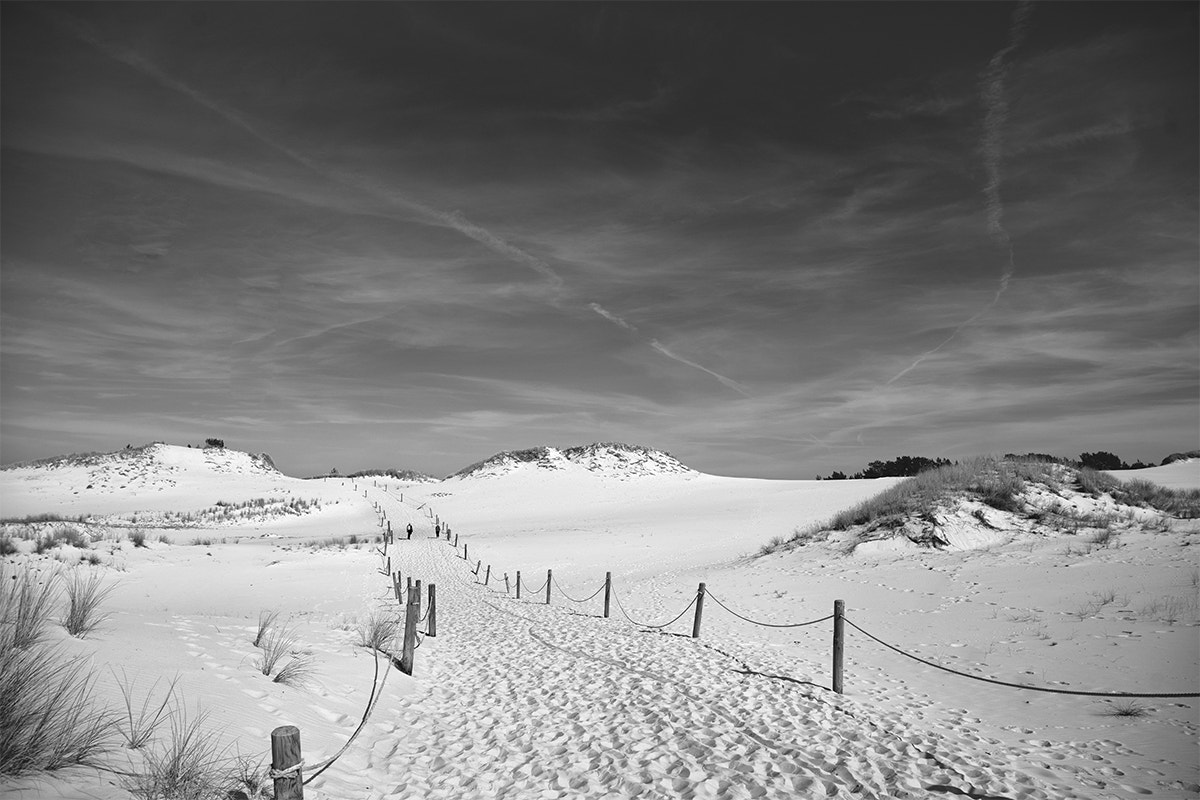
{"x": 456, "y": 542}
{"x": 488, "y": 575}
{"x": 432, "y": 627}
{"x": 478, "y": 564}
{"x": 518, "y": 584}
{"x": 839, "y": 611}
{"x": 699, "y": 611}
{"x": 285, "y": 757}
{"x": 549, "y": 576}
{"x": 506, "y": 583}
{"x": 607, "y": 592}
{"x": 396, "y": 586}
{"x": 465, "y": 552}
{"x": 410, "y": 635}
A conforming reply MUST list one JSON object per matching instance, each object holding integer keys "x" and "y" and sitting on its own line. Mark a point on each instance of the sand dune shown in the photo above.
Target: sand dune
{"x": 520, "y": 699}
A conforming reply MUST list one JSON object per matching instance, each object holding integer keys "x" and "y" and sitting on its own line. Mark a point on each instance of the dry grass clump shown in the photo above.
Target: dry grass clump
{"x": 1125, "y": 708}
{"x": 190, "y": 765}
{"x": 85, "y": 593}
{"x": 378, "y": 631}
{"x": 139, "y": 727}
{"x": 277, "y": 642}
{"x": 266, "y": 621}
{"x": 47, "y": 713}
{"x": 63, "y": 535}
{"x": 27, "y": 599}
{"x": 1140, "y": 493}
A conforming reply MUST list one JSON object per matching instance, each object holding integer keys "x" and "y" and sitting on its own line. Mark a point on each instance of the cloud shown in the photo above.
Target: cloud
{"x": 453, "y": 219}
{"x": 611, "y": 317}
{"x": 993, "y": 150}
{"x": 737, "y": 387}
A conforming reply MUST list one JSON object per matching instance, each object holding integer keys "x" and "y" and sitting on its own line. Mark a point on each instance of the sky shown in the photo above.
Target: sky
{"x": 772, "y": 239}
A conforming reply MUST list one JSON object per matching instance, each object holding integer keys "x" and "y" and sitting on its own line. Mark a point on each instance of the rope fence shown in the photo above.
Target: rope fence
{"x": 287, "y": 766}
{"x": 1025, "y": 686}
{"x": 572, "y": 599}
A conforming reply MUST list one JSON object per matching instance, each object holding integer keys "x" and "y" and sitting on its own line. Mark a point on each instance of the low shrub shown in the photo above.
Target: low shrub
{"x": 138, "y": 537}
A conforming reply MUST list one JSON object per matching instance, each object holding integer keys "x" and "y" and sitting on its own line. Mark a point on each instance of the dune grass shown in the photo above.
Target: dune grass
{"x": 85, "y": 593}
{"x": 266, "y": 621}
{"x": 191, "y": 764}
{"x": 48, "y": 713}
{"x": 27, "y": 600}
{"x": 139, "y": 724}
{"x": 378, "y": 631}
{"x": 1000, "y": 484}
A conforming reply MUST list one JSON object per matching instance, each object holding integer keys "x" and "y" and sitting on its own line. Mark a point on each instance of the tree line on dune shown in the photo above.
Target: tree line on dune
{"x": 908, "y": 466}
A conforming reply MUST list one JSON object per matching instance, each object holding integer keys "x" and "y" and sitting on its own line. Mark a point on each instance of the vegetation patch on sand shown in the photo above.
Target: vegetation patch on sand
{"x": 1029, "y": 494}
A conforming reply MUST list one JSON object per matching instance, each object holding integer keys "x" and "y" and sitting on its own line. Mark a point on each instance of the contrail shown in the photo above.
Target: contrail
{"x": 611, "y": 317}
{"x": 993, "y": 150}
{"x": 737, "y": 387}
{"x": 453, "y": 220}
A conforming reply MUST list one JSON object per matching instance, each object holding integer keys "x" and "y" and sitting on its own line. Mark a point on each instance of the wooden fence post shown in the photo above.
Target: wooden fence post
{"x": 839, "y": 634}
{"x": 456, "y": 542}
{"x": 699, "y": 611}
{"x": 410, "y": 635}
{"x": 396, "y": 587}
{"x": 487, "y": 576}
{"x": 417, "y": 586}
{"x": 432, "y": 627}
{"x": 465, "y": 552}
{"x": 518, "y": 584}
{"x": 408, "y": 586}
{"x": 549, "y": 577}
{"x": 389, "y": 565}
{"x": 506, "y": 583}
{"x": 607, "y": 592}
{"x": 285, "y": 754}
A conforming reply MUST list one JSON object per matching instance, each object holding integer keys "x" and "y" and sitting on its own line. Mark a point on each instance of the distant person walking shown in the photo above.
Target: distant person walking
{"x": 437, "y": 531}
{"x": 409, "y": 530}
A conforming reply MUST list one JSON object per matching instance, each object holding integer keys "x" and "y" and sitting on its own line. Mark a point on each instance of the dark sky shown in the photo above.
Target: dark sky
{"x": 775, "y": 239}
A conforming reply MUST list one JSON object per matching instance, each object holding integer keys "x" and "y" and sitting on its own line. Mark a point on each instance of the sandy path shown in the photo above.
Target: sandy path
{"x": 517, "y": 699}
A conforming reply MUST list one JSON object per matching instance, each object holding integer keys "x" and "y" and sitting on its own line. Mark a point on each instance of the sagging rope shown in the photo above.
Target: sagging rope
{"x": 1017, "y": 685}
{"x": 717, "y": 600}
{"x": 537, "y": 590}
{"x": 572, "y": 599}
{"x": 372, "y": 700}
{"x": 621, "y": 608}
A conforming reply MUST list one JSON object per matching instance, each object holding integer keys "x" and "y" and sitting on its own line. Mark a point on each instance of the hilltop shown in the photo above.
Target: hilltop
{"x": 605, "y": 459}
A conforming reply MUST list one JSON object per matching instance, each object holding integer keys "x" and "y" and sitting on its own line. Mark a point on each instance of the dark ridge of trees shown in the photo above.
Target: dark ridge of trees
{"x": 214, "y": 443}
{"x": 907, "y": 466}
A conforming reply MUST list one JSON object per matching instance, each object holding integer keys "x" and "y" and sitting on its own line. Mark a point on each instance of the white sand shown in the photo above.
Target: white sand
{"x": 519, "y": 699}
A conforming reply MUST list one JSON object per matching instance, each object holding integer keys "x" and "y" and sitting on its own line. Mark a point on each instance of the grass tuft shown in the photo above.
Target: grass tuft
{"x": 27, "y": 599}
{"x": 190, "y": 765}
{"x": 84, "y": 596}
{"x": 378, "y": 631}
{"x": 266, "y": 621}
{"x": 297, "y": 671}
{"x": 1125, "y": 708}
{"x": 139, "y": 727}
{"x": 47, "y": 711}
